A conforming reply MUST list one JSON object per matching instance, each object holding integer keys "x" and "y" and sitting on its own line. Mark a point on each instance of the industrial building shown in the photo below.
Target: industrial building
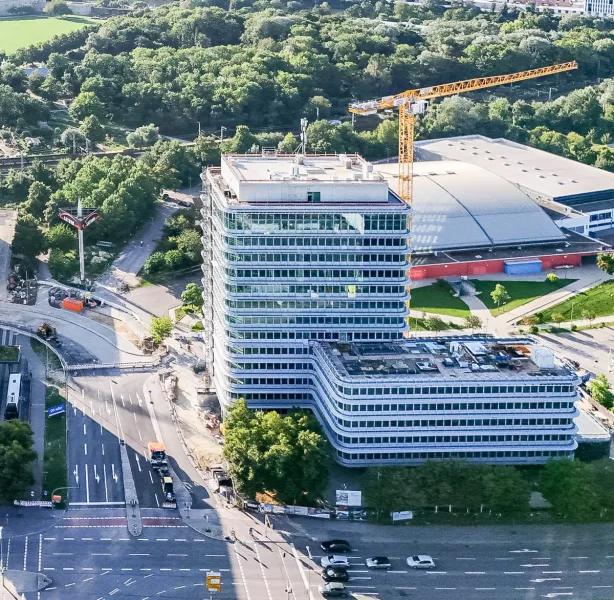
{"x": 306, "y": 283}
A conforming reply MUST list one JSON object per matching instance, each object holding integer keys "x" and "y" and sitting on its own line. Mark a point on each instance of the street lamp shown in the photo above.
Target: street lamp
{"x": 309, "y": 574}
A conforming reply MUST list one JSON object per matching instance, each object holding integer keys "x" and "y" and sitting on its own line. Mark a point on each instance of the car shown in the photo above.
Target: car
{"x": 335, "y": 574}
{"x": 420, "y": 561}
{"x": 378, "y": 562}
{"x": 336, "y": 546}
{"x": 332, "y": 589}
{"x": 334, "y": 560}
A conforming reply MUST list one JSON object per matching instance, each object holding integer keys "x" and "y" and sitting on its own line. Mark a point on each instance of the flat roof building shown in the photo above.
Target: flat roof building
{"x": 306, "y": 283}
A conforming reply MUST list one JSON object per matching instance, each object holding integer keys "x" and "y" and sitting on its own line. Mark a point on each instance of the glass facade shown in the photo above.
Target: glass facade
{"x": 283, "y": 283}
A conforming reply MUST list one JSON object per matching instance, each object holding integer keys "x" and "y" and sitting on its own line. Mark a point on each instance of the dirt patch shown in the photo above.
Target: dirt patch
{"x": 116, "y": 325}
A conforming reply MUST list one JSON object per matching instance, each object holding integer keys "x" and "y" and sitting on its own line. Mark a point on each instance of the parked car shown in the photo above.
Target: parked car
{"x": 420, "y": 561}
{"x": 378, "y": 562}
{"x": 333, "y": 589}
{"x": 335, "y": 574}
{"x": 336, "y": 546}
{"x": 334, "y": 560}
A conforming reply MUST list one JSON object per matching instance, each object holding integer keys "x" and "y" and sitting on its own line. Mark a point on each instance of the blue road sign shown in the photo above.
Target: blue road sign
{"x": 56, "y": 410}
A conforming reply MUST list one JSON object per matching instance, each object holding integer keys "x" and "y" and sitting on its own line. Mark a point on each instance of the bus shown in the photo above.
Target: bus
{"x": 13, "y": 397}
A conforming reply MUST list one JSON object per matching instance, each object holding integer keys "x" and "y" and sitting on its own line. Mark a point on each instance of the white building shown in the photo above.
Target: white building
{"x": 578, "y": 196}
{"x": 306, "y": 288}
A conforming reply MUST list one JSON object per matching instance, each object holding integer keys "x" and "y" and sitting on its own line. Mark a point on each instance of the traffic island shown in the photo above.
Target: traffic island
{"x": 54, "y": 462}
{"x": 18, "y": 583}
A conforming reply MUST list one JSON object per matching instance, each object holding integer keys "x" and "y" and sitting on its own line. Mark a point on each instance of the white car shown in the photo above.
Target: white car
{"x": 420, "y": 561}
{"x": 334, "y": 560}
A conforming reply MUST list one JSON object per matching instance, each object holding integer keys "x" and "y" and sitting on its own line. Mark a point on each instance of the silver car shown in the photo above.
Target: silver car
{"x": 420, "y": 561}
{"x": 378, "y": 562}
{"x": 334, "y": 560}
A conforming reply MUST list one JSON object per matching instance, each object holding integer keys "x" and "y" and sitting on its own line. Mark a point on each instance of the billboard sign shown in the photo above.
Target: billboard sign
{"x": 348, "y": 498}
{"x": 56, "y": 410}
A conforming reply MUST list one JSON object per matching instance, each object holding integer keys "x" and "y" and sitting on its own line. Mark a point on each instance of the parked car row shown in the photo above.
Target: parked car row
{"x": 335, "y": 567}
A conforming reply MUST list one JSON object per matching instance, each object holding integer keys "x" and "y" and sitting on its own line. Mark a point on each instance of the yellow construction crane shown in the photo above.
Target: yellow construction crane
{"x": 415, "y": 102}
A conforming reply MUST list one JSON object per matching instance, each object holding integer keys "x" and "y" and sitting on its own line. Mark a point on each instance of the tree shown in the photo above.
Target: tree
{"x": 57, "y": 8}
{"x": 435, "y": 324}
{"x": 285, "y": 455}
{"x": 499, "y": 295}
{"x": 588, "y": 315}
{"x": 557, "y": 318}
{"x": 570, "y": 487}
{"x": 192, "y": 295}
{"x": 155, "y": 263}
{"x": 61, "y": 237}
{"x": 188, "y": 243}
{"x": 529, "y": 320}
{"x": 473, "y": 322}
{"x": 72, "y": 137}
{"x": 601, "y": 392}
{"x": 16, "y": 458}
{"x": 86, "y": 104}
{"x": 552, "y": 278}
{"x": 160, "y": 328}
{"x": 288, "y": 145}
{"x": 29, "y": 240}
{"x": 92, "y": 130}
{"x": 207, "y": 149}
{"x": 147, "y": 135}
{"x": 173, "y": 259}
{"x": 606, "y": 263}
{"x": 242, "y": 142}
{"x": 38, "y": 196}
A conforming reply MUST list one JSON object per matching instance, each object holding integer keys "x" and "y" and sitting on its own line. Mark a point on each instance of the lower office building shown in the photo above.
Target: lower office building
{"x": 306, "y": 289}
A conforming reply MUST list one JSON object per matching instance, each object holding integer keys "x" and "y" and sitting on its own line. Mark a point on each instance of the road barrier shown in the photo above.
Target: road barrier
{"x": 118, "y": 365}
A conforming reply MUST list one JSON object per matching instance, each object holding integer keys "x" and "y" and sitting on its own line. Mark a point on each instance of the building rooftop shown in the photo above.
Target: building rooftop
{"x": 462, "y": 358}
{"x": 300, "y": 179}
{"x": 459, "y": 205}
{"x": 537, "y": 172}
{"x": 590, "y": 429}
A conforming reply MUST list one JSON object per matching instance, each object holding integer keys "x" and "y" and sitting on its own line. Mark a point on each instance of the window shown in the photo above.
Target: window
{"x": 313, "y": 196}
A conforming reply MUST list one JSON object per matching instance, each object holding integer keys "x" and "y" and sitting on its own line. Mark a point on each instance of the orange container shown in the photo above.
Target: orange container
{"x": 72, "y": 304}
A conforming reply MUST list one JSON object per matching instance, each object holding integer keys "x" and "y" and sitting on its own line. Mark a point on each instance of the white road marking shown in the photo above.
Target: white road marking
{"x": 103, "y": 449}
{"x": 524, "y": 588}
{"x": 552, "y": 572}
{"x": 150, "y": 477}
{"x": 106, "y": 490}
{"x": 513, "y": 572}
{"x": 122, "y": 397}
{"x": 602, "y": 586}
{"x": 85, "y": 448}
{"x": 577, "y": 557}
{"x": 458, "y": 558}
{"x": 540, "y": 565}
{"x": 84, "y": 429}
{"x": 139, "y": 432}
{"x": 485, "y": 589}
{"x": 156, "y": 497}
{"x": 404, "y": 588}
{"x": 438, "y": 572}
{"x": 397, "y": 571}
{"x": 87, "y": 485}
{"x": 504, "y": 559}
{"x": 63, "y": 554}
{"x": 134, "y": 415}
{"x": 25, "y": 554}
{"x": 475, "y": 572}
{"x": 359, "y": 578}
{"x": 175, "y": 554}
{"x": 138, "y": 463}
{"x": 588, "y": 571}
{"x": 445, "y": 588}
{"x": 130, "y": 398}
{"x": 522, "y": 551}
{"x": 545, "y": 579}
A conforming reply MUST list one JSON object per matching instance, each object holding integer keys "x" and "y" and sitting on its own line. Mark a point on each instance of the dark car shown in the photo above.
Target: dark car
{"x": 335, "y": 574}
{"x": 336, "y": 546}
{"x": 333, "y": 590}
{"x": 378, "y": 562}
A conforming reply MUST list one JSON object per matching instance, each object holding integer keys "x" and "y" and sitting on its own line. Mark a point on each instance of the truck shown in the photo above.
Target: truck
{"x": 170, "y": 500}
{"x": 157, "y": 456}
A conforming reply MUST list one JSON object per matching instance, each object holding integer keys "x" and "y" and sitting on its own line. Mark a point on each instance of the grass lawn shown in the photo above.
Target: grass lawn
{"x": 46, "y": 355}
{"x": 9, "y": 353}
{"x": 599, "y": 300}
{"x": 55, "y": 445}
{"x": 520, "y": 292}
{"x": 439, "y": 299}
{"x": 18, "y": 32}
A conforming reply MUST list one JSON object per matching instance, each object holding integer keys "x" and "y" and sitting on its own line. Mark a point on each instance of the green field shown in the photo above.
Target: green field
{"x": 438, "y": 299}
{"x": 25, "y": 31}
{"x": 521, "y": 292}
{"x": 599, "y": 300}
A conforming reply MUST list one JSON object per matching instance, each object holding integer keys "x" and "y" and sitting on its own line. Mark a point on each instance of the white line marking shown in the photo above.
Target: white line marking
{"x": 106, "y": 491}
{"x": 139, "y": 432}
{"x": 475, "y": 572}
{"x": 588, "y": 571}
{"x": 84, "y": 429}
{"x": 87, "y": 485}
{"x": 25, "y": 554}
{"x": 103, "y": 449}
{"x": 513, "y": 572}
{"x": 85, "y": 448}
{"x": 151, "y": 477}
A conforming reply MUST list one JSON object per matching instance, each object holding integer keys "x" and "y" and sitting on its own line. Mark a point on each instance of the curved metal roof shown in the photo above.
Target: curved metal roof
{"x": 459, "y": 205}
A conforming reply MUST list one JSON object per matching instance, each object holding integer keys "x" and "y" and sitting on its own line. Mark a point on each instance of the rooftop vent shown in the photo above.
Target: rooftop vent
{"x": 537, "y": 168}
{"x": 573, "y": 181}
{"x": 506, "y": 164}
{"x": 524, "y": 170}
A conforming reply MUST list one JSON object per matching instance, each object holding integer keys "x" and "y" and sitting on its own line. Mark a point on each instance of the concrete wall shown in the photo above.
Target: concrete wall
{"x": 486, "y": 267}
{"x": 80, "y": 8}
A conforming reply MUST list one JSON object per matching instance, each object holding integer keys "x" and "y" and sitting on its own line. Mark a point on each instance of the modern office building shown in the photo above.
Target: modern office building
{"x": 306, "y": 287}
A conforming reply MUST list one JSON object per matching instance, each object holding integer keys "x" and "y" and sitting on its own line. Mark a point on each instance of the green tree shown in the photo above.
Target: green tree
{"x": 242, "y": 142}
{"x": 473, "y": 322}
{"x": 188, "y": 242}
{"x": 155, "y": 263}
{"x": 61, "y": 237}
{"x": 192, "y": 295}
{"x": 173, "y": 259}
{"x": 146, "y": 135}
{"x": 570, "y": 487}
{"x": 600, "y": 391}
{"x": 589, "y": 315}
{"x": 63, "y": 265}
{"x": 16, "y": 458}
{"x": 606, "y": 263}
{"x": 92, "y": 129}
{"x": 207, "y": 149}
{"x": 86, "y": 104}
{"x": 288, "y": 145}
{"x": 57, "y": 8}
{"x": 557, "y": 318}
{"x": 552, "y": 278}
{"x": 287, "y": 455}
{"x": 160, "y": 328}
{"x": 392, "y": 489}
{"x": 29, "y": 240}
{"x": 38, "y": 196}
{"x": 435, "y": 324}
{"x": 499, "y": 295}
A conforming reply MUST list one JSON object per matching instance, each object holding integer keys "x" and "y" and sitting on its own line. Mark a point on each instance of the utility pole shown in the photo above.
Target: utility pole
{"x": 79, "y": 219}
{"x": 304, "y": 124}
{"x": 222, "y": 130}
{"x": 198, "y": 128}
